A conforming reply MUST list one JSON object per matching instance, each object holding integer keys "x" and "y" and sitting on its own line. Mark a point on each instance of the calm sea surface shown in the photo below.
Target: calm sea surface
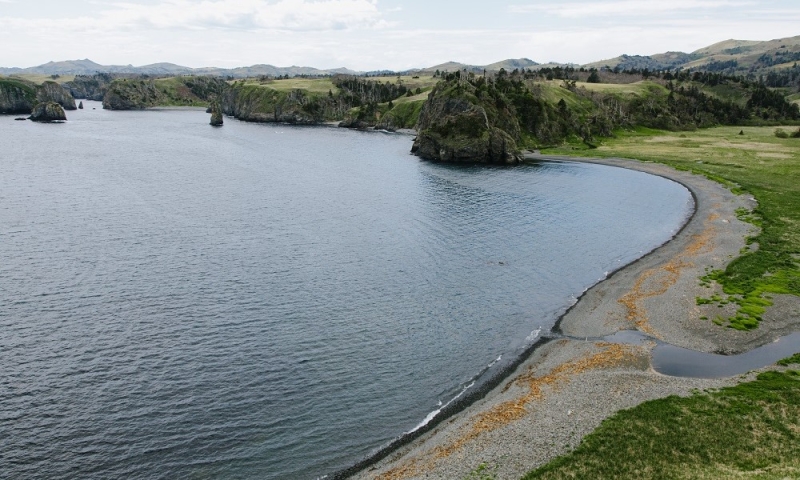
{"x": 263, "y": 301}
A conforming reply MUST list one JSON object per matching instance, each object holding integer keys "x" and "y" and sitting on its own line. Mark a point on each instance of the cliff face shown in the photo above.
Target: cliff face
{"x": 460, "y": 124}
{"x": 92, "y": 87}
{"x": 253, "y": 103}
{"x": 16, "y": 96}
{"x": 53, "y": 92}
{"x": 128, "y": 94}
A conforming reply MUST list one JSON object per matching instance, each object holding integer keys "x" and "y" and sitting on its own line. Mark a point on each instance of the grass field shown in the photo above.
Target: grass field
{"x": 751, "y": 430}
{"x": 755, "y": 163}
{"x": 311, "y": 85}
{"x": 637, "y": 88}
{"x": 423, "y": 81}
{"x": 40, "y": 79}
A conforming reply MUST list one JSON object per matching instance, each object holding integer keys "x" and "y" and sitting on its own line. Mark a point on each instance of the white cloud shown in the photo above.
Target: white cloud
{"x": 624, "y": 7}
{"x": 241, "y": 15}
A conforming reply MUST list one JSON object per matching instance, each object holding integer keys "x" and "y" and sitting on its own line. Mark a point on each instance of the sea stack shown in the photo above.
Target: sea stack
{"x": 216, "y": 115}
{"x": 80, "y": 106}
{"x": 48, "y": 112}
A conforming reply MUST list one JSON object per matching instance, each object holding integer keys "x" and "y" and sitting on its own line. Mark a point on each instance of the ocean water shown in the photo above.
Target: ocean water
{"x": 267, "y": 301}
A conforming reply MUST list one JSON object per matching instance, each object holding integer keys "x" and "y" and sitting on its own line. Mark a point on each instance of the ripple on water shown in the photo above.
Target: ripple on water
{"x": 273, "y": 302}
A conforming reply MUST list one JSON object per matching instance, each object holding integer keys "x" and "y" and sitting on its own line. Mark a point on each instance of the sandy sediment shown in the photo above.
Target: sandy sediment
{"x": 568, "y": 386}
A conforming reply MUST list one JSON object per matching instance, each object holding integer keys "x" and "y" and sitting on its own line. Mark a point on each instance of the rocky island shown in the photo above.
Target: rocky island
{"x": 48, "y": 112}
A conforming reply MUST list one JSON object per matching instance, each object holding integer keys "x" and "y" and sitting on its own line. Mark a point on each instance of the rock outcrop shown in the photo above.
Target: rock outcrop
{"x": 48, "y": 112}
{"x": 53, "y": 92}
{"x": 216, "y": 115}
{"x": 460, "y": 124}
{"x": 80, "y": 106}
{"x": 253, "y": 103}
{"x": 16, "y": 96}
{"x": 129, "y": 94}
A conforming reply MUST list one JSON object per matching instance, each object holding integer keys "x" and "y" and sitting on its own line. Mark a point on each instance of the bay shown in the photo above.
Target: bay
{"x": 268, "y": 301}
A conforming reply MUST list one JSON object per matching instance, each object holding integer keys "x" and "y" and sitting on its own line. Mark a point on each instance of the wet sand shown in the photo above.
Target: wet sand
{"x": 568, "y": 386}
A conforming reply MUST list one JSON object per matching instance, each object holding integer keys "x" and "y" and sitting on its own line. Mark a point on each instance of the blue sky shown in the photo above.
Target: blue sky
{"x": 374, "y": 34}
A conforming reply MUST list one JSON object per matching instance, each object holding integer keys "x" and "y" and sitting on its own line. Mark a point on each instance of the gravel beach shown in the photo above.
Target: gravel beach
{"x": 569, "y": 385}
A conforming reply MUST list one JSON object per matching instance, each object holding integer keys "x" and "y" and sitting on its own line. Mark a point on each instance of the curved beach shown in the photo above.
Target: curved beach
{"x": 569, "y": 385}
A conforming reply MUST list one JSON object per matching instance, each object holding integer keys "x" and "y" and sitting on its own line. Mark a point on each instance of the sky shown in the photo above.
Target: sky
{"x": 374, "y": 34}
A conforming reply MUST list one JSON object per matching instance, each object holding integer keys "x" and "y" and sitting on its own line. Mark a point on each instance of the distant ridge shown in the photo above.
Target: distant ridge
{"x": 729, "y": 55}
{"x": 733, "y": 56}
{"x": 88, "y": 67}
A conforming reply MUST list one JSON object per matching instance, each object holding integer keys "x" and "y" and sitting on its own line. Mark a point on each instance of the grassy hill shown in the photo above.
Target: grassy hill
{"x": 732, "y": 56}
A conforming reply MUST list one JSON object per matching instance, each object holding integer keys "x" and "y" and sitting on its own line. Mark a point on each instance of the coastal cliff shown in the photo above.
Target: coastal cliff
{"x": 16, "y": 96}
{"x": 141, "y": 93}
{"x": 19, "y": 96}
{"x": 53, "y": 92}
{"x": 128, "y": 94}
{"x": 253, "y": 103}
{"x": 90, "y": 87}
{"x": 462, "y": 124}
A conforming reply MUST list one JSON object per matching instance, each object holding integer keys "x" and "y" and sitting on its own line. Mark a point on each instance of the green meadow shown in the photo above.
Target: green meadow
{"x": 751, "y": 161}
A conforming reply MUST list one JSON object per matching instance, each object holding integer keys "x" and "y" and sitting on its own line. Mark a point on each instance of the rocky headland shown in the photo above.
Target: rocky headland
{"x": 128, "y": 94}
{"x": 19, "y": 96}
{"x": 252, "y": 103}
{"x": 461, "y": 124}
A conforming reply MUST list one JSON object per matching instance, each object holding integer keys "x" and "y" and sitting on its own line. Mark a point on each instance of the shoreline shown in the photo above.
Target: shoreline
{"x": 524, "y": 419}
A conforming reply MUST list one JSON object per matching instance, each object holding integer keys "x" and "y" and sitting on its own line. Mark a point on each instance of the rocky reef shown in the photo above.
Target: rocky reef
{"x": 48, "y": 112}
{"x": 461, "y": 124}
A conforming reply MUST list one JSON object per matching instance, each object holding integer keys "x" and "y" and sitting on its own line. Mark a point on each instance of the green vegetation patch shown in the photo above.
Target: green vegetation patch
{"x": 750, "y": 430}
{"x": 793, "y": 360}
{"x": 28, "y": 89}
{"x": 405, "y": 114}
{"x": 755, "y": 162}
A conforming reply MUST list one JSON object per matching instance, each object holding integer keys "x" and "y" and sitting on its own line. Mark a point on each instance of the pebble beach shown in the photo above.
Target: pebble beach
{"x": 570, "y": 384}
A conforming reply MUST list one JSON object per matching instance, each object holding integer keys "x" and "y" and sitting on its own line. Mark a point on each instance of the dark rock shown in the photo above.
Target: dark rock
{"x": 80, "y": 106}
{"x": 216, "y": 119}
{"x": 20, "y": 119}
{"x": 216, "y": 114}
{"x": 355, "y": 123}
{"x": 48, "y": 112}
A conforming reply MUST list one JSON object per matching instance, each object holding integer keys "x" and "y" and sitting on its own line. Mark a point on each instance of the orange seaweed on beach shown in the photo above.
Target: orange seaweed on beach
{"x": 509, "y": 411}
{"x": 663, "y": 277}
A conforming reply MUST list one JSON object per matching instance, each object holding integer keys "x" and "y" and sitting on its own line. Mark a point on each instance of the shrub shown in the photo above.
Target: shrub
{"x": 780, "y": 133}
